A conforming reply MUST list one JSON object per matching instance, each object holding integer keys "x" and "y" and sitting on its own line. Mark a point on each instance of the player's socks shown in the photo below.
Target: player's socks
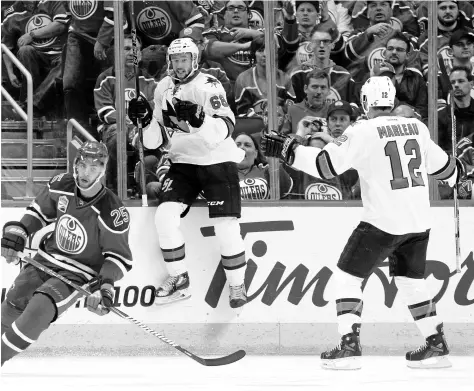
{"x": 36, "y": 318}
{"x": 9, "y": 315}
{"x": 234, "y": 267}
{"x": 347, "y": 354}
{"x": 433, "y": 354}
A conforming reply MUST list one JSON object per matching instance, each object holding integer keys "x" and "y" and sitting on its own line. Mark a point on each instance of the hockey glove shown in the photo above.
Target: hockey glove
{"x": 13, "y": 241}
{"x": 280, "y": 146}
{"x": 140, "y": 108}
{"x": 189, "y": 111}
{"x": 102, "y": 296}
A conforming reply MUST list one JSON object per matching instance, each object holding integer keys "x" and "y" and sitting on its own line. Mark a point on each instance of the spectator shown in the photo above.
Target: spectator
{"x": 90, "y": 36}
{"x": 462, "y": 82}
{"x": 36, "y": 31}
{"x": 212, "y": 11}
{"x": 403, "y": 14}
{"x": 340, "y": 15}
{"x": 342, "y": 84}
{"x": 450, "y": 19}
{"x": 251, "y": 86}
{"x": 461, "y": 44}
{"x": 254, "y": 173}
{"x": 317, "y": 88}
{"x": 366, "y": 47}
{"x": 158, "y": 23}
{"x": 411, "y": 88}
{"x": 104, "y": 97}
{"x": 465, "y": 152}
{"x": 342, "y": 187}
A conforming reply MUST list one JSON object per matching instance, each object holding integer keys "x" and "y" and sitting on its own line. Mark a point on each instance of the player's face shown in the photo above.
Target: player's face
{"x": 464, "y": 49}
{"x": 245, "y": 143}
{"x": 128, "y": 51}
{"x": 338, "y": 121}
{"x": 182, "y": 64}
{"x": 322, "y": 45}
{"x": 306, "y": 15}
{"x": 396, "y": 52}
{"x": 379, "y": 11}
{"x": 447, "y": 12}
{"x": 462, "y": 86}
{"x": 317, "y": 91}
{"x": 88, "y": 171}
{"x": 236, "y": 14}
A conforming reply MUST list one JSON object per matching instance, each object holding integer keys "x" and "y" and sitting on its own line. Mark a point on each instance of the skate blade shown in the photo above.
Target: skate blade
{"x": 342, "y": 364}
{"x": 176, "y": 296}
{"x": 431, "y": 363}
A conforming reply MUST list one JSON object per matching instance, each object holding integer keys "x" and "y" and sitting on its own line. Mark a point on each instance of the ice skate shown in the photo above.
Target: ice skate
{"x": 433, "y": 354}
{"x": 174, "y": 288}
{"x": 347, "y": 354}
{"x": 237, "y": 295}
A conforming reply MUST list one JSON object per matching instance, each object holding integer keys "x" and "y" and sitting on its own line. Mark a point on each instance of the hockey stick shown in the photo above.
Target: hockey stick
{"x": 455, "y": 188}
{"x": 137, "y": 92}
{"x": 209, "y": 362}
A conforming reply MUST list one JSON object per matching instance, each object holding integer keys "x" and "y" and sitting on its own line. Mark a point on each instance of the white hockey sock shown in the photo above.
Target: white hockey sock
{"x": 349, "y": 302}
{"x": 416, "y": 296}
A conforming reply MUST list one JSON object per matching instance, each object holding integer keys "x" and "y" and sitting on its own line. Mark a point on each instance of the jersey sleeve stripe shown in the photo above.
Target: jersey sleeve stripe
{"x": 59, "y": 191}
{"x": 119, "y": 264}
{"x": 35, "y": 207}
{"x": 111, "y": 230}
{"x": 37, "y": 217}
{"x": 324, "y": 166}
{"x": 447, "y": 171}
{"x": 228, "y": 122}
{"x": 119, "y": 257}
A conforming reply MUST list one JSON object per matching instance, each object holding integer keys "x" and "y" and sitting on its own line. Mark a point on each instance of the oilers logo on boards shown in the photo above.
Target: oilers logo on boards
{"x": 71, "y": 237}
{"x": 154, "y": 22}
{"x": 322, "y": 192}
{"x": 36, "y": 22}
{"x": 82, "y": 10}
{"x": 254, "y": 189}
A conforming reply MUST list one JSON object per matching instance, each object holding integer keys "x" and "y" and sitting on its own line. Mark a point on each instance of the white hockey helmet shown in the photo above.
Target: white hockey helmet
{"x": 183, "y": 45}
{"x": 377, "y": 91}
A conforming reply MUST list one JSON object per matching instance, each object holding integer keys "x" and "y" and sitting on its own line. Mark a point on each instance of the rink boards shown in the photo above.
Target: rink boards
{"x": 292, "y": 254}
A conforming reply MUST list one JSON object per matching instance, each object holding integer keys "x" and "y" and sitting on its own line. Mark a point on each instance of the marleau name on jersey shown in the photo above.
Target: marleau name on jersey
{"x": 408, "y": 129}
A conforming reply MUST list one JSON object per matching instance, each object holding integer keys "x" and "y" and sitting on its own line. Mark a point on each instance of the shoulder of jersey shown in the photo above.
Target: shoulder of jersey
{"x": 112, "y": 211}
{"x": 207, "y": 81}
{"x": 63, "y": 182}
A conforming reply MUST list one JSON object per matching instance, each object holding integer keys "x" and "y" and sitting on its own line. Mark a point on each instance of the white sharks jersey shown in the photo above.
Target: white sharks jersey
{"x": 212, "y": 142}
{"x": 393, "y": 156}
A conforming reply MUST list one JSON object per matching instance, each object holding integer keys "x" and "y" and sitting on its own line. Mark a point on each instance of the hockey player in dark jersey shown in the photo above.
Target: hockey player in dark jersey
{"x": 203, "y": 159}
{"x": 89, "y": 244}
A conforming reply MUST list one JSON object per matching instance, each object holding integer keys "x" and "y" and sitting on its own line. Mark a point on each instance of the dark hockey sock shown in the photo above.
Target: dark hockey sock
{"x": 234, "y": 266}
{"x": 36, "y": 318}
{"x": 9, "y": 315}
{"x": 174, "y": 258}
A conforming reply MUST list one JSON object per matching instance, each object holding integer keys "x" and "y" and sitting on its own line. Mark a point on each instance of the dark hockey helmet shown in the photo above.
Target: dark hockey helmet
{"x": 97, "y": 151}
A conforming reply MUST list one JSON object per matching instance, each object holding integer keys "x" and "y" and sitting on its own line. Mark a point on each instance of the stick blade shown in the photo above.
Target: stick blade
{"x": 226, "y": 360}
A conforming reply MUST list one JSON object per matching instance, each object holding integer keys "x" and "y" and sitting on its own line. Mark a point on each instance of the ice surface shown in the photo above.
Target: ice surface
{"x": 281, "y": 373}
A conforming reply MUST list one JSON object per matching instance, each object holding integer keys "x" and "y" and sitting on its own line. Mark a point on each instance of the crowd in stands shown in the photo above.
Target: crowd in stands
{"x": 325, "y": 51}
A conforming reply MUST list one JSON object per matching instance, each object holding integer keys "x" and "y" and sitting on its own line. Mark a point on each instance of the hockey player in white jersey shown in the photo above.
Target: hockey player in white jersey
{"x": 393, "y": 156}
{"x": 193, "y": 106}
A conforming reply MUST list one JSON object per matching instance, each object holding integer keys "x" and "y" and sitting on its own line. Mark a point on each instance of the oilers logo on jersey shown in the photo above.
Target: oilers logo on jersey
{"x": 71, "y": 237}
{"x": 36, "y": 22}
{"x": 154, "y": 22}
{"x": 83, "y": 9}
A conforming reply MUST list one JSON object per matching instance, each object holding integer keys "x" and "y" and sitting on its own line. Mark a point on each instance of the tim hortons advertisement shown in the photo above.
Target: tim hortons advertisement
{"x": 292, "y": 254}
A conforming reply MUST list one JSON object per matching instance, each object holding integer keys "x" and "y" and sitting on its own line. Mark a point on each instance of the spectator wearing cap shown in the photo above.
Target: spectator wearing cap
{"x": 452, "y": 16}
{"x": 35, "y": 32}
{"x": 462, "y": 81}
{"x": 461, "y": 44}
{"x": 315, "y": 105}
{"x": 342, "y": 84}
{"x": 366, "y": 47}
{"x": 251, "y": 86}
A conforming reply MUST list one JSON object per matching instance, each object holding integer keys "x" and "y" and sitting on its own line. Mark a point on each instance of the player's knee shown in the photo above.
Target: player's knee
{"x": 167, "y": 217}
{"x": 42, "y": 308}
{"x": 345, "y": 279}
{"x": 227, "y": 231}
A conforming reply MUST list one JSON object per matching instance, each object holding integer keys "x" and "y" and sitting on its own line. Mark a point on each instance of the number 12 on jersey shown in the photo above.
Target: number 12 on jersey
{"x": 411, "y": 147}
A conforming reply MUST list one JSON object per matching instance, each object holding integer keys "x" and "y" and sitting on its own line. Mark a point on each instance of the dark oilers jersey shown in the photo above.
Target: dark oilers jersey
{"x": 87, "y": 234}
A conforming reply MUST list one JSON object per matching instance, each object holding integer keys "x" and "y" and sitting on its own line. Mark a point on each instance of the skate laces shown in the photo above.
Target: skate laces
{"x": 420, "y": 348}
{"x": 237, "y": 291}
{"x": 169, "y": 283}
{"x": 335, "y": 349}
